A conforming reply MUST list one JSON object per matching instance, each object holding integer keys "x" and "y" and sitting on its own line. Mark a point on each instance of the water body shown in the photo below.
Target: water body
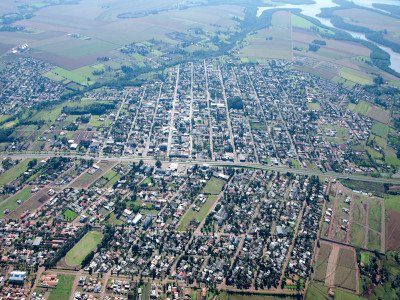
{"x": 313, "y": 10}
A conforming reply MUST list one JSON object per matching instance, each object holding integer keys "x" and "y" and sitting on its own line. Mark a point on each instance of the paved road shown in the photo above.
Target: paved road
{"x": 216, "y": 163}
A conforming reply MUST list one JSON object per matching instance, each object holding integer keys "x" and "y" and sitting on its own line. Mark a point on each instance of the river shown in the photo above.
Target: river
{"x": 313, "y": 10}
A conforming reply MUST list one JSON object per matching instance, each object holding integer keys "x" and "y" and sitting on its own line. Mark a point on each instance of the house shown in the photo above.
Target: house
{"x": 281, "y": 231}
{"x": 221, "y": 215}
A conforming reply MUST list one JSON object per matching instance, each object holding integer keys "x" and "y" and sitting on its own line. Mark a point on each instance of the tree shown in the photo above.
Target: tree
{"x": 158, "y": 164}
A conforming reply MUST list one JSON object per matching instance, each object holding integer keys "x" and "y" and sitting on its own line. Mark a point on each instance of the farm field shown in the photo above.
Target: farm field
{"x": 322, "y": 262}
{"x": 87, "y": 244}
{"x": 374, "y": 241}
{"x": 198, "y": 215}
{"x": 380, "y": 129}
{"x": 213, "y": 186}
{"x": 356, "y": 76}
{"x": 346, "y": 274}
{"x": 362, "y": 108}
{"x": 63, "y": 289}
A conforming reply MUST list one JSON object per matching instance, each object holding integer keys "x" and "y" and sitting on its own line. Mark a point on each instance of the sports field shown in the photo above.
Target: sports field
{"x": 213, "y": 186}
{"x": 87, "y": 244}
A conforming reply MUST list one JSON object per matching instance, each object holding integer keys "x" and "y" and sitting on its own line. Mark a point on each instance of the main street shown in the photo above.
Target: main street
{"x": 214, "y": 163}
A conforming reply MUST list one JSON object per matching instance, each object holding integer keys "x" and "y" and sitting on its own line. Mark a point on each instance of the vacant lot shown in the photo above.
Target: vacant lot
{"x": 360, "y": 209}
{"x": 87, "y": 244}
{"x": 346, "y": 274}
{"x": 32, "y": 203}
{"x": 198, "y": 215}
{"x": 374, "y": 217}
{"x": 379, "y": 114}
{"x": 322, "y": 262}
{"x": 11, "y": 203}
{"x": 374, "y": 241}
{"x": 63, "y": 289}
{"x": 357, "y": 235}
{"x": 14, "y": 172}
{"x": 213, "y": 186}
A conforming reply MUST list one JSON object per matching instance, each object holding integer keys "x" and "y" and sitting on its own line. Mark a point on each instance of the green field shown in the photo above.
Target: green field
{"x": 87, "y": 244}
{"x": 357, "y": 235}
{"x": 314, "y": 106}
{"x": 73, "y": 76}
{"x": 374, "y": 217}
{"x": 356, "y": 76}
{"x": 213, "y": 186}
{"x": 303, "y": 23}
{"x": 380, "y": 129}
{"x": 374, "y": 241}
{"x": 63, "y": 289}
{"x": 365, "y": 258}
{"x": 198, "y": 215}
{"x": 14, "y": 172}
{"x": 392, "y": 202}
{"x": 69, "y": 215}
{"x": 345, "y": 276}
{"x": 359, "y": 209}
{"x": 11, "y": 203}
{"x": 320, "y": 292}
{"x": 362, "y": 108}
{"x": 322, "y": 262}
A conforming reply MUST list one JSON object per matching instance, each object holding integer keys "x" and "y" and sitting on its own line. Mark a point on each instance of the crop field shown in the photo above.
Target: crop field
{"x": 392, "y": 230}
{"x": 369, "y": 19}
{"x": 198, "y": 215}
{"x": 357, "y": 235}
{"x": 362, "y": 108}
{"x": 380, "y": 129}
{"x": 322, "y": 262}
{"x": 213, "y": 186}
{"x": 374, "y": 217}
{"x": 14, "y": 172}
{"x": 346, "y": 274}
{"x": 11, "y": 203}
{"x": 305, "y": 24}
{"x": 63, "y": 289}
{"x": 273, "y": 42}
{"x": 356, "y": 76}
{"x": 87, "y": 244}
{"x": 379, "y": 114}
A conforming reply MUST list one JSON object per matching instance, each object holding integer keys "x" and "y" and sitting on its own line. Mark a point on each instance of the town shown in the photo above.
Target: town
{"x": 214, "y": 178}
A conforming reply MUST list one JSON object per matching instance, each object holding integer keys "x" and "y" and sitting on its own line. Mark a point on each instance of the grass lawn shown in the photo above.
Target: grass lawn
{"x": 69, "y": 215}
{"x": 365, "y": 258}
{"x": 392, "y": 202}
{"x": 14, "y": 172}
{"x": 88, "y": 243}
{"x": 374, "y": 241}
{"x": 258, "y": 126}
{"x": 213, "y": 186}
{"x": 380, "y": 129}
{"x": 198, "y": 215}
{"x": 11, "y": 202}
{"x": 63, "y": 289}
{"x": 314, "y": 106}
{"x": 374, "y": 218}
{"x": 357, "y": 235}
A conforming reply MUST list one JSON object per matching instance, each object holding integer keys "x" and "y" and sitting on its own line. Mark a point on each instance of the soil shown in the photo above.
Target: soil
{"x": 393, "y": 230}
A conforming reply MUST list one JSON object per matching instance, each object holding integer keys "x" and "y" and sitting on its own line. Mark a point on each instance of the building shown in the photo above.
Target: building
{"x": 17, "y": 276}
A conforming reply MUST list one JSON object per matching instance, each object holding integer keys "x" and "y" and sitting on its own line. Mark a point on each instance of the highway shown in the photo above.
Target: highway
{"x": 213, "y": 163}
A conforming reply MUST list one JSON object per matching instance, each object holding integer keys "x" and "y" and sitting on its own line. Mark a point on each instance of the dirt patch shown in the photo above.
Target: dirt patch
{"x": 393, "y": 230}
